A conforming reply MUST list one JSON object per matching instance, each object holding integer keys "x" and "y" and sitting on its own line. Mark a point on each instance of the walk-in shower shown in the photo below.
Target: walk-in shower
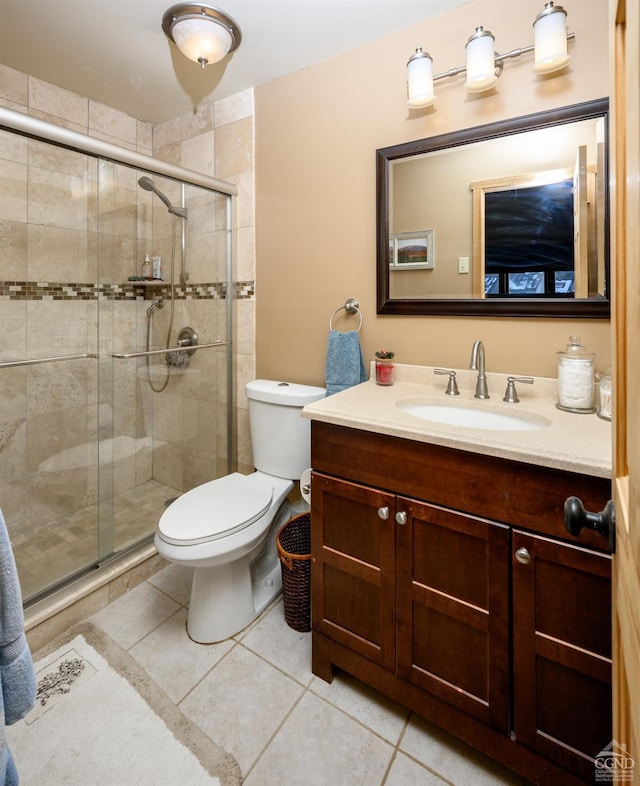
{"x": 89, "y": 450}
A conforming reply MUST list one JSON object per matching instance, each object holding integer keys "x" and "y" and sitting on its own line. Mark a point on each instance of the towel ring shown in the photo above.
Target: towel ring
{"x": 351, "y": 307}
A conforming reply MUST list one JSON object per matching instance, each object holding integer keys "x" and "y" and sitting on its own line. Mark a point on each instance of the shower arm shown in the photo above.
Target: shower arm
{"x": 147, "y": 353}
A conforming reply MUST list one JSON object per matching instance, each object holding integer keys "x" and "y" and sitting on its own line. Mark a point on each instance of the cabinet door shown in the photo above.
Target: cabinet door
{"x": 353, "y": 567}
{"x": 453, "y": 609}
{"x": 562, "y": 651}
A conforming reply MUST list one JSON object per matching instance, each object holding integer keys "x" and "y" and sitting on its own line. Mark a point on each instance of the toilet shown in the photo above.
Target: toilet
{"x": 226, "y": 529}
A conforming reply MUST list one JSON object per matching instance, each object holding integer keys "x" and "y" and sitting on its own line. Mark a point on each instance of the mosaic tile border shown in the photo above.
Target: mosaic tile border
{"x": 42, "y": 290}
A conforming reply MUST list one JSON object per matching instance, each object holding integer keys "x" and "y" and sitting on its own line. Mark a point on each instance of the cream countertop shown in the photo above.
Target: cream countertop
{"x": 573, "y": 442}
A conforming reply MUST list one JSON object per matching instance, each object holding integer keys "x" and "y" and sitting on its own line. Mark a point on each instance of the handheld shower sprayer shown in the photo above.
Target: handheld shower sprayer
{"x": 147, "y": 184}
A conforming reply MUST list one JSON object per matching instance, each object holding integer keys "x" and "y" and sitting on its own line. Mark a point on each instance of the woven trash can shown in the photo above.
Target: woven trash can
{"x": 294, "y": 549}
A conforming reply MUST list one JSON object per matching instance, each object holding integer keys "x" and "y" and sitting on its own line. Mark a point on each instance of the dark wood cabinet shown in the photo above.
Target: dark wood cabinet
{"x": 427, "y": 585}
{"x": 561, "y": 650}
{"x": 453, "y": 608}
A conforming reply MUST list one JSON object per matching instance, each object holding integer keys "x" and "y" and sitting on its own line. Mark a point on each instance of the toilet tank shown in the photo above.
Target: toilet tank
{"x": 280, "y": 436}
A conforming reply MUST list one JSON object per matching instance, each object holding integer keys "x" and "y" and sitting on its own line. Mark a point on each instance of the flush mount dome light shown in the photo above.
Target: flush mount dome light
{"x": 201, "y": 32}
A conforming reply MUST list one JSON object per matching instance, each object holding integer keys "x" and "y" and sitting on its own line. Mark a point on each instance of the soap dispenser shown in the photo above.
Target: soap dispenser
{"x": 147, "y": 270}
{"x": 576, "y": 382}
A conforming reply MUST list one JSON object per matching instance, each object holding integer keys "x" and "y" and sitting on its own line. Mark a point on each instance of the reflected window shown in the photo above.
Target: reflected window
{"x": 529, "y": 240}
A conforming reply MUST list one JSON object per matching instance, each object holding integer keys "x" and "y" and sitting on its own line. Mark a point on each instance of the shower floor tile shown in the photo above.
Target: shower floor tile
{"x": 70, "y": 544}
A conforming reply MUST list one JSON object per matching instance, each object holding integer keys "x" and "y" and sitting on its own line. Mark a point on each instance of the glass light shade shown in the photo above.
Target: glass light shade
{"x": 202, "y": 39}
{"x": 481, "y": 62}
{"x": 550, "y": 39}
{"x": 420, "y": 80}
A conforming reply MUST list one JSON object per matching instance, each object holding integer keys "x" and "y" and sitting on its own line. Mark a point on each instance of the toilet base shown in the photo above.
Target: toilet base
{"x": 227, "y": 598}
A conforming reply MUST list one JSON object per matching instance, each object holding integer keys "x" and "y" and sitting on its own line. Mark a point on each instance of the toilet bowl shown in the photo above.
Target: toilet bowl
{"x": 226, "y": 529}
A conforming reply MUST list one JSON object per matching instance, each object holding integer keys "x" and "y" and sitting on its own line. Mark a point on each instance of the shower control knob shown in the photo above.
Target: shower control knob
{"x": 401, "y": 517}
{"x": 383, "y": 513}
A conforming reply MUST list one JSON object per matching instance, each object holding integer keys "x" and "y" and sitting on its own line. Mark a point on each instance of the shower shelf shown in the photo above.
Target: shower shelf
{"x": 148, "y": 283}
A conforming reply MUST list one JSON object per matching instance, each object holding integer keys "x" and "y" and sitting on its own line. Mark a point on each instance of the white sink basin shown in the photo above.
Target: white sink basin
{"x": 473, "y": 416}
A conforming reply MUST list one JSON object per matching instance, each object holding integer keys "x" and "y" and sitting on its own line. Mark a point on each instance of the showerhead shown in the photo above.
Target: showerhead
{"x": 148, "y": 185}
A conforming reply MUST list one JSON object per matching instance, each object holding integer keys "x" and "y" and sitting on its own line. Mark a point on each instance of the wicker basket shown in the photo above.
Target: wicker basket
{"x": 294, "y": 549}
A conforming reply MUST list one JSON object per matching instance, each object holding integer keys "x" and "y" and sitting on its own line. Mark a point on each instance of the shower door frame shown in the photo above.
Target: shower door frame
{"x": 11, "y": 120}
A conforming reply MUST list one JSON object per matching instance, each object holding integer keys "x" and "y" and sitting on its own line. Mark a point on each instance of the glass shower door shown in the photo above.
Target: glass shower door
{"x": 48, "y": 366}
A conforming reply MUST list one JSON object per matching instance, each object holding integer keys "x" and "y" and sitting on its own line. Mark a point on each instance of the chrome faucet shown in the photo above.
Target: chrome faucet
{"x": 477, "y": 364}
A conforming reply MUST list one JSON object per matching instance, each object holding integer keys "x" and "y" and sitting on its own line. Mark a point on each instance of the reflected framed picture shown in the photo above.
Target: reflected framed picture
{"x": 411, "y": 250}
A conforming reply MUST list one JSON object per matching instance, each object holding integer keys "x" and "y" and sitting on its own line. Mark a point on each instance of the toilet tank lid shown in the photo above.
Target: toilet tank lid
{"x": 287, "y": 394}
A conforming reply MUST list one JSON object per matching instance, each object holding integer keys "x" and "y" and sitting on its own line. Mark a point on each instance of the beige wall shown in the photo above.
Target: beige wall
{"x": 316, "y": 135}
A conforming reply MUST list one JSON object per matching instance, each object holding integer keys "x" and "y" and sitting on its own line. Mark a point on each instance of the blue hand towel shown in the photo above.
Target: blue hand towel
{"x": 17, "y": 677}
{"x": 345, "y": 364}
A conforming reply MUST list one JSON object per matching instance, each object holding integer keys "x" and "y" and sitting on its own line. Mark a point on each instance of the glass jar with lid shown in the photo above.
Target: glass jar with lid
{"x": 604, "y": 394}
{"x": 576, "y": 380}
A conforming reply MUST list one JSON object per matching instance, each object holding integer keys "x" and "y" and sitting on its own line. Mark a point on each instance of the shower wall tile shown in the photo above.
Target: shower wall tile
{"x": 58, "y": 388}
{"x": 194, "y": 124}
{"x": 124, "y": 474}
{"x": 234, "y": 148}
{"x": 243, "y": 441}
{"x": 235, "y": 107}
{"x": 198, "y": 153}
{"x": 168, "y": 465}
{"x": 58, "y": 121}
{"x": 245, "y": 253}
{"x": 204, "y": 216}
{"x": 14, "y": 85}
{"x": 167, "y": 133}
{"x": 172, "y": 154}
{"x": 56, "y": 327}
{"x": 144, "y": 137}
{"x": 13, "y": 332}
{"x": 245, "y": 209}
{"x": 245, "y": 327}
{"x": 46, "y": 156}
{"x": 14, "y": 147}
{"x": 13, "y": 241}
{"x": 55, "y": 199}
{"x": 57, "y": 254}
{"x": 13, "y": 191}
{"x": 57, "y": 101}
{"x": 13, "y": 451}
{"x": 112, "y": 124}
{"x": 202, "y": 250}
{"x": 245, "y": 372}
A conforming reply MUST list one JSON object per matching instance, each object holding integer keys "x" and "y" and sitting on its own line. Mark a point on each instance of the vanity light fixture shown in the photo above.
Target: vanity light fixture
{"x": 484, "y": 66}
{"x": 201, "y": 32}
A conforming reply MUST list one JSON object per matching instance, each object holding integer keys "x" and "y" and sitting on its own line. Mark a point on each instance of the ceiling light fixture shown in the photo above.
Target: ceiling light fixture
{"x": 201, "y": 32}
{"x": 484, "y": 66}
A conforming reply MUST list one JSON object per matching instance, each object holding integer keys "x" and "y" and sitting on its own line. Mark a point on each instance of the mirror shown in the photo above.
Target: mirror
{"x": 507, "y": 219}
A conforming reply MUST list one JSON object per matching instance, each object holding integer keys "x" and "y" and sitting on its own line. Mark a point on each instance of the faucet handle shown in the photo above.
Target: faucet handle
{"x": 452, "y": 387}
{"x": 511, "y": 396}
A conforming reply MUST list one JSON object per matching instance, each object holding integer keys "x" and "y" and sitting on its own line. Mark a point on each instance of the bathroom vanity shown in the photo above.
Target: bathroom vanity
{"x": 443, "y": 574}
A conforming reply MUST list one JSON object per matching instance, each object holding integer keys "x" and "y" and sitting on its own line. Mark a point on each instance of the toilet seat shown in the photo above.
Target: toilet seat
{"x": 216, "y": 509}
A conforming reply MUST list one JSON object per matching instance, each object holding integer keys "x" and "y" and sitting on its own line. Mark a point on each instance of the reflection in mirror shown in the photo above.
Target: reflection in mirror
{"x": 505, "y": 219}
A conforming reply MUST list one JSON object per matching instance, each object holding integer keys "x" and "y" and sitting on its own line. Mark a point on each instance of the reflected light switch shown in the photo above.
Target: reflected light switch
{"x": 463, "y": 264}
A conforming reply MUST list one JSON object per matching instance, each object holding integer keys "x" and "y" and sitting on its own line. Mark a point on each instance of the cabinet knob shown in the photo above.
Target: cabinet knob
{"x": 523, "y": 556}
{"x": 401, "y": 517}
{"x": 383, "y": 513}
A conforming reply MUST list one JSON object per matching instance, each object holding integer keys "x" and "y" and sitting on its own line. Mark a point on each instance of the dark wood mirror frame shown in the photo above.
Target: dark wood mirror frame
{"x": 594, "y": 308}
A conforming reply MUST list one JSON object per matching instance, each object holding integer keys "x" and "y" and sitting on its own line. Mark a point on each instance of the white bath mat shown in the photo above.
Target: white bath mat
{"x": 100, "y": 720}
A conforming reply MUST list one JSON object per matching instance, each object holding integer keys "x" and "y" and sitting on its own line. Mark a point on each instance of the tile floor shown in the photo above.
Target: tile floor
{"x": 255, "y": 695}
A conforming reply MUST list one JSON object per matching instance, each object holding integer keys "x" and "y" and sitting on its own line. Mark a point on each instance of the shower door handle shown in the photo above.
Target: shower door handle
{"x": 149, "y": 352}
{"x": 35, "y": 361}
